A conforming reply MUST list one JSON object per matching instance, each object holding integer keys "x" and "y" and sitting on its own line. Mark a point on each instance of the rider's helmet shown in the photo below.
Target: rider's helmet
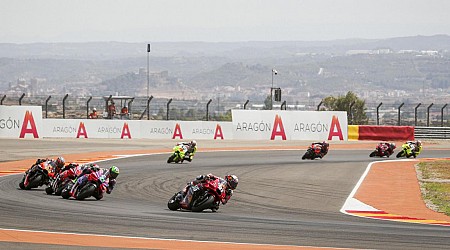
{"x": 60, "y": 162}
{"x": 418, "y": 143}
{"x": 325, "y": 144}
{"x": 193, "y": 143}
{"x": 94, "y": 167}
{"x": 392, "y": 145}
{"x": 113, "y": 172}
{"x": 94, "y": 109}
{"x": 232, "y": 181}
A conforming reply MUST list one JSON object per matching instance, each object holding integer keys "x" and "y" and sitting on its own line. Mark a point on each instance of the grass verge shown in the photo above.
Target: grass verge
{"x": 435, "y": 185}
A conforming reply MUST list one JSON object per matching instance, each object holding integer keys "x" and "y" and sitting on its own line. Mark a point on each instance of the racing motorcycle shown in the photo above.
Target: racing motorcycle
{"x": 408, "y": 151}
{"x": 35, "y": 177}
{"x": 313, "y": 151}
{"x": 95, "y": 185}
{"x": 205, "y": 195}
{"x": 178, "y": 154}
{"x": 57, "y": 185}
{"x": 380, "y": 151}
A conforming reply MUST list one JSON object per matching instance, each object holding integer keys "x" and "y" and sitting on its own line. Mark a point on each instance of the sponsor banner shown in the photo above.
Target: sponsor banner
{"x": 182, "y": 130}
{"x": 84, "y": 128}
{"x": 289, "y": 125}
{"x": 20, "y": 121}
{"x": 126, "y": 129}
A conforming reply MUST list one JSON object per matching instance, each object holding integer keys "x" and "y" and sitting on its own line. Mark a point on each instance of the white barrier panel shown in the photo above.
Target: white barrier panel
{"x": 187, "y": 130}
{"x": 128, "y": 129}
{"x": 289, "y": 125}
{"x": 20, "y": 121}
{"x": 84, "y": 128}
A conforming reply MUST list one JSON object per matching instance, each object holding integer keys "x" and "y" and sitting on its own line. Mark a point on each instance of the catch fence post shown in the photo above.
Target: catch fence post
{"x": 46, "y": 106}
{"x": 318, "y": 106}
{"x": 428, "y": 114}
{"x": 415, "y": 114}
{"x": 245, "y": 104}
{"x": 207, "y": 109}
{"x": 378, "y": 113}
{"x": 20, "y": 99}
{"x": 148, "y": 107}
{"x": 64, "y": 105}
{"x": 87, "y": 106}
{"x": 442, "y": 115}
{"x": 399, "y": 107}
{"x": 168, "y": 103}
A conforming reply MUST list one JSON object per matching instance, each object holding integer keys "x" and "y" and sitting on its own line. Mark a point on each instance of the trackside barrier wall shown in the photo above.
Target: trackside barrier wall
{"x": 27, "y": 122}
{"x": 289, "y": 125}
{"x": 128, "y": 129}
{"x": 381, "y": 133}
{"x": 20, "y": 121}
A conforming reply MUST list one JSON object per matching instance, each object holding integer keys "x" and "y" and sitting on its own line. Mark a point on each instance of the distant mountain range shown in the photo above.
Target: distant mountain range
{"x": 114, "y": 50}
{"x": 303, "y": 66}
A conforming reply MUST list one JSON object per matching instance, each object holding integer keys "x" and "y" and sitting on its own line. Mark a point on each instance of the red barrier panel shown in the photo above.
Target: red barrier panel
{"x": 386, "y": 133}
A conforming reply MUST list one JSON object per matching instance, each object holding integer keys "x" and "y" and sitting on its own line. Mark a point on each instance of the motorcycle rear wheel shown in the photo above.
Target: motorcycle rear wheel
{"x": 202, "y": 204}
{"x": 34, "y": 183}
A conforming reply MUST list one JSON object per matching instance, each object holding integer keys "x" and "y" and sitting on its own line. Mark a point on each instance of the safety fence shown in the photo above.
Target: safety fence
{"x": 432, "y": 132}
{"x": 219, "y": 108}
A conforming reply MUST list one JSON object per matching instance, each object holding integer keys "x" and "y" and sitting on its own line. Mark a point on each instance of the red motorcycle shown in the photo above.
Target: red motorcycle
{"x": 95, "y": 186}
{"x": 382, "y": 150}
{"x": 35, "y": 177}
{"x": 62, "y": 179}
{"x": 205, "y": 195}
{"x": 314, "y": 151}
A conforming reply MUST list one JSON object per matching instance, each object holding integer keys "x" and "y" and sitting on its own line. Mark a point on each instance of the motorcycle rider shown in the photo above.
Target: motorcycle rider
{"x": 415, "y": 147}
{"x": 323, "y": 147}
{"x": 227, "y": 185}
{"x": 53, "y": 167}
{"x": 387, "y": 147}
{"x": 72, "y": 171}
{"x": 109, "y": 175}
{"x": 191, "y": 148}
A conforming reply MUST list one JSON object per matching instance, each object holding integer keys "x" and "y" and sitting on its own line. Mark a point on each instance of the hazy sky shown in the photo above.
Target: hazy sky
{"x": 27, "y": 21}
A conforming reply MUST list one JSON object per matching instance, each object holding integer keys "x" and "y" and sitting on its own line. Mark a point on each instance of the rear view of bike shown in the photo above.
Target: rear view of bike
{"x": 35, "y": 177}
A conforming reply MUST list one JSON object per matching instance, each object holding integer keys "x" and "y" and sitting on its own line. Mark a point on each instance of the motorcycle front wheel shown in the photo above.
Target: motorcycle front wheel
{"x": 173, "y": 204}
{"x": 400, "y": 154}
{"x": 373, "y": 154}
{"x": 49, "y": 190}
{"x": 203, "y": 203}
{"x": 171, "y": 158}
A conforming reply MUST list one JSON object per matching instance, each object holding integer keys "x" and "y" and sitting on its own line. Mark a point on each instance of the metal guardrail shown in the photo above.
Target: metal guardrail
{"x": 432, "y": 132}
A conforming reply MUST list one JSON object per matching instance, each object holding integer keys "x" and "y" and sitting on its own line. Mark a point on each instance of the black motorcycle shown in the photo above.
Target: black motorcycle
{"x": 35, "y": 177}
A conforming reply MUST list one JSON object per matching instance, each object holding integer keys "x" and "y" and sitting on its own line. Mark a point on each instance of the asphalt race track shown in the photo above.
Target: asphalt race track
{"x": 280, "y": 200}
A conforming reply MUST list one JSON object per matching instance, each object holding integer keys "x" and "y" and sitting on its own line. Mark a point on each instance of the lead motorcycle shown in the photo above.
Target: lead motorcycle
{"x": 381, "y": 150}
{"x": 205, "y": 195}
{"x": 314, "y": 151}
{"x": 95, "y": 186}
{"x": 35, "y": 177}
{"x": 179, "y": 152}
